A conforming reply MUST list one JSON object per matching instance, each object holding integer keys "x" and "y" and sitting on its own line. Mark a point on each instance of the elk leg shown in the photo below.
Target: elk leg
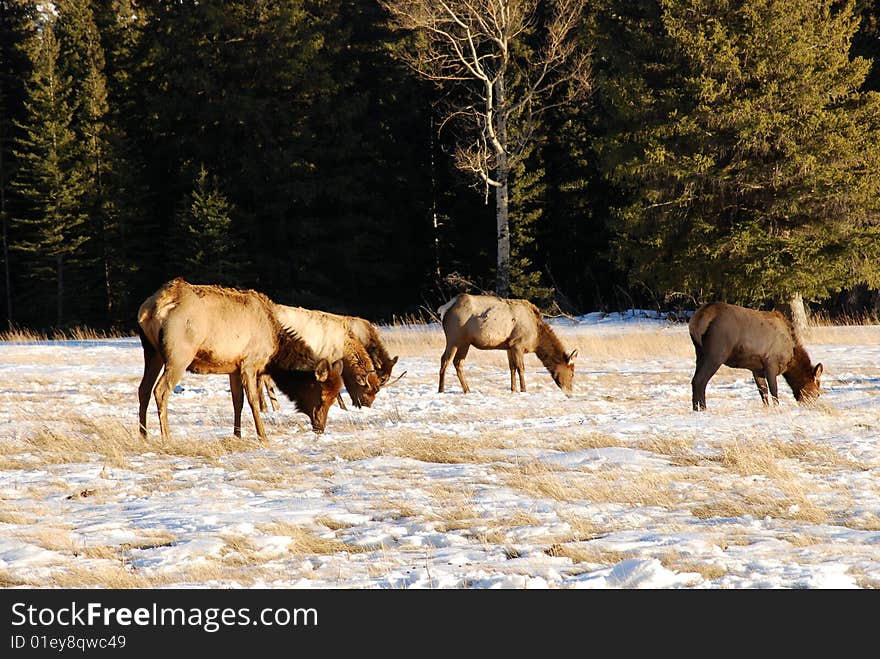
{"x": 515, "y": 361}
{"x": 341, "y": 402}
{"x": 235, "y": 388}
{"x": 703, "y": 372}
{"x": 152, "y": 367}
{"x": 511, "y": 364}
{"x": 270, "y": 392}
{"x": 162, "y": 393}
{"x": 761, "y": 381}
{"x": 266, "y": 382}
{"x": 520, "y": 367}
{"x": 459, "y": 370}
{"x": 263, "y": 382}
{"x": 448, "y": 354}
{"x": 770, "y": 374}
{"x": 251, "y": 390}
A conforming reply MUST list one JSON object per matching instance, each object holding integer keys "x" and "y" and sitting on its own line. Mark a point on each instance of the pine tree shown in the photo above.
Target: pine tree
{"x": 528, "y": 189}
{"x": 132, "y": 250}
{"x": 49, "y": 233}
{"x": 209, "y": 247}
{"x": 82, "y": 59}
{"x": 16, "y": 22}
{"x": 743, "y": 147}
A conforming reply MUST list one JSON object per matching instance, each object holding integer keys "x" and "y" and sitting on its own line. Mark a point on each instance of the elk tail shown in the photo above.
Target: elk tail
{"x": 442, "y": 310}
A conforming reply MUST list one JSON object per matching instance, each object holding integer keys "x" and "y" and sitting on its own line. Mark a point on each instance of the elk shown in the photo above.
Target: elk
{"x": 327, "y": 337}
{"x": 368, "y": 335}
{"x": 763, "y": 342}
{"x": 492, "y": 323}
{"x": 216, "y": 330}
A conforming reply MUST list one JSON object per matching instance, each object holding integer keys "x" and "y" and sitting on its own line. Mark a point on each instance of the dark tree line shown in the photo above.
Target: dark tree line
{"x": 725, "y": 151}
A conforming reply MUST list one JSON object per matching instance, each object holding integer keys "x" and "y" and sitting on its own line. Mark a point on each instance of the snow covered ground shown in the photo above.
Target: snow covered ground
{"x": 619, "y": 486}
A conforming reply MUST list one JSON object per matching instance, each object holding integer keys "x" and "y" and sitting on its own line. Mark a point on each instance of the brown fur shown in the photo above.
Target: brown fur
{"x": 763, "y": 342}
{"x": 368, "y": 335}
{"x": 492, "y": 323}
{"x": 328, "y": 337}
{"x": 212, "y": 329}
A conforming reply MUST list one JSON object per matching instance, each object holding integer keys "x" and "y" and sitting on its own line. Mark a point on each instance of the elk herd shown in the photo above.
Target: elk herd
{"x": 310, "y": 355}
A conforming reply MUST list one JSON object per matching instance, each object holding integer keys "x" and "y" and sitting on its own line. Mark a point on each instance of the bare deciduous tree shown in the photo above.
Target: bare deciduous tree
{"x": 476, "y": 50}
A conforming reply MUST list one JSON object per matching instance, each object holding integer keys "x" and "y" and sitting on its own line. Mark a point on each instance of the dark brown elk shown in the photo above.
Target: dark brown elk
{"x": 493, "y": 323}
{"x": 368, "y": 335}
{"x": 763, "y": 342}
{"x": 211, "y": 329}
{"x": 327, "y": 337}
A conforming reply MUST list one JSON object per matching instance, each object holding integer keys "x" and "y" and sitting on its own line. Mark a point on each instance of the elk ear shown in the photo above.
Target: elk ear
{"x": 393, "y": 361}
{"x": 817, "y": 372}
{"x": 572, "y": 355}
{"x": 337, "y": 367}
{"x": 322, "y": 370}
{"x": 361, "y": 380}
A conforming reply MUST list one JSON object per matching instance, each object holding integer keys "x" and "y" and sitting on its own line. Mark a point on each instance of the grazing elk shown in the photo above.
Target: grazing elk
{"x": 328, "y": 338}
{"x": 763, "y": 342}
{"x": 493, "y": 323}
{"x": 368, "y": 335}
{"x": 211, "y": 329}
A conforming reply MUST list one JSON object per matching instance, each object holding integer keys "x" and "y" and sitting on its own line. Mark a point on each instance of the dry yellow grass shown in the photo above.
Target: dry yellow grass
{"x": 441, "y": 449}
{"x": 678, "y": 449}
{"x": 753, "y": 458}
{"x": 150, "y": 539}
{"x": 863, "y": 580}
{"x": 14, "y": 517}
{"x": 681, "y": 563}
{"x": 117, "y": 442}
{"x": 750, "y": 476}
{"x": 8, "y": 580}
{"x": 100, "y": 575}
{"x": 583, "y": 552}
{"x": 332, "y": 524}
{"x": 305, "y": 542}
{"x": 650, "y": 343}
{"x": 79, "y": 333}
{"x": 801, "y": 539}
{"x": 612, "y": 485}
{"x": 585, "y": 440}
{"x": 51, "y": 538}
{"x": 101, "y": 551}
{"x": 749, "y": 456}
{"x": 759, "y": 503}
{"x": 457, "y": 518}
{"x": 865, "y": 522}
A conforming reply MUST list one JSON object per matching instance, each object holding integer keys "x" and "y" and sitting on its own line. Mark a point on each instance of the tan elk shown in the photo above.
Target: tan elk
{"x": 328, "y": 338}
{"x": 368, "y": 335}
{"x": 492, "y": 323}
{"x": 211, "y": 329}
{"x": 763, "y": 342}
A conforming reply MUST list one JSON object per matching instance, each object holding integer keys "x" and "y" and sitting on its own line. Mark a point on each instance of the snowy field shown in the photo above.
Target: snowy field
{"x": 619, "y": 486}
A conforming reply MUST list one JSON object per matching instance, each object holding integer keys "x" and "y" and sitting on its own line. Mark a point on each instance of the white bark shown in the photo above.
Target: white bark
{"x": 798, "y": 315}
{"x": 468, "y": 46}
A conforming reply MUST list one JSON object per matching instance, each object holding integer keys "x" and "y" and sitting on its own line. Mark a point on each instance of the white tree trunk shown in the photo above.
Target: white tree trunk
{"x": 502, "y": 275}
{"x": 798, "y": 314}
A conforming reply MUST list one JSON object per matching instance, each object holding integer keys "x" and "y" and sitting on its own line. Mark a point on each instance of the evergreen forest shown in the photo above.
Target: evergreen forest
{"x": 655, "y": 154}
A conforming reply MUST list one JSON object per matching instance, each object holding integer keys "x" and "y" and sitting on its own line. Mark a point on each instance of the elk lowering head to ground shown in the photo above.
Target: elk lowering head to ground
{"x": 328, "y": 338}
{"x": 211, "y": 329}
{"x": 492, "y": 323}
{"x": 763, "y": 342}
{"x": 368, "y": 335}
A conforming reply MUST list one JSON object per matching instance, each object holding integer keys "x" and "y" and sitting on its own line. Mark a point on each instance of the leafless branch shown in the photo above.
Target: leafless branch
{"x": 467, "y": 43}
